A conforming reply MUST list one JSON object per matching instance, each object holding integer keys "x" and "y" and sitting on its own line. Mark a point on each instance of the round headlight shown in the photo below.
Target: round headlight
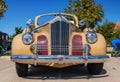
{"x": 91, "y": 37}
{"x": 27, "y": 38}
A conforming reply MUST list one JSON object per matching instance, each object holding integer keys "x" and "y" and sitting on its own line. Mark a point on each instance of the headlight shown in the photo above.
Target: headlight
{"x": 27, "y": 38}
{"x": 91, "y": 37}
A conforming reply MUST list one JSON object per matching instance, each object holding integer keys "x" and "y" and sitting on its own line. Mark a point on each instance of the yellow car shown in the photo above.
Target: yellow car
{"x": 57, "y": 43}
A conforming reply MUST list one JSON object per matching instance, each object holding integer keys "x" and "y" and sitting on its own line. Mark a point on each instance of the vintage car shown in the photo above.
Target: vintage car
{"x": 116, "y": 47}
{"x": 5, "y": 43}
{"x": 57, "y": 43}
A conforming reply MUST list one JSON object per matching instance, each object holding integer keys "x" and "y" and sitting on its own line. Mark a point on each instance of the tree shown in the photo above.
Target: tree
{"x": 86, "y": 10}
{"x": 107, "y": 31}
{"x": 18, "y": 30}
{"x": 3, "y": 7}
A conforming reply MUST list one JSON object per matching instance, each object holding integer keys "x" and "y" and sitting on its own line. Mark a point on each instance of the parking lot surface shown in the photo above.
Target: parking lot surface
{"x": 110, "y": 73}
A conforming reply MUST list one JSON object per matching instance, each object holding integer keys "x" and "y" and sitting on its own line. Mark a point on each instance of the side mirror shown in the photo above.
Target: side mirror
{"x": 82, "y": 23}
{"x": 30, "y": 23}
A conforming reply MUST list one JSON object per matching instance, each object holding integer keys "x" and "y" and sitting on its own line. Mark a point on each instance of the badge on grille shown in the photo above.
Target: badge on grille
{"x": 60, "y": 59}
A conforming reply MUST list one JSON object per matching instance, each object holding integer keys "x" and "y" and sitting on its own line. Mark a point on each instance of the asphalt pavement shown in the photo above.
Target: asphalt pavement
{"x": 110, "y": 73}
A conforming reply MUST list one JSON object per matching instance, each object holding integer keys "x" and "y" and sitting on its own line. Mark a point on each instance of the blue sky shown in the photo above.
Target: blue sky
{"x": 19, "y": 11}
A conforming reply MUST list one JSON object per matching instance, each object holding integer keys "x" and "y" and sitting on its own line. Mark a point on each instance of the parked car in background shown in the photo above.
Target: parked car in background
{"x": 57, "y": 43}
{"x": 5, "y": 43}
{"x": 116, "y": 47}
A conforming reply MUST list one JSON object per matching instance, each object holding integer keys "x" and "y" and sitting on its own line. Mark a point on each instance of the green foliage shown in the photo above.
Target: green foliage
{"x": 18, "y": 30}
{"x": 86, "y": 10}
{"x": 107, "y": 30}
{"x": 3, "y": 7}
{"x": 5, "y": 54}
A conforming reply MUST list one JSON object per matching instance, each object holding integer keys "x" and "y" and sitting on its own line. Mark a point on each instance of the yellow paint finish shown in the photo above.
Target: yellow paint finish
{"x": 98, "y": 48}
{"x": 18, "y": 47}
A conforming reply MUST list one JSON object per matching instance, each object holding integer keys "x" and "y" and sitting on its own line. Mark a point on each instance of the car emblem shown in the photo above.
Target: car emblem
{"x": 60, "y": 59}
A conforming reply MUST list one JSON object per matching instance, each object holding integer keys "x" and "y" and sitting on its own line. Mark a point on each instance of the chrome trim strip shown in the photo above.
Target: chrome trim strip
{"x": 35, "y": 55}
{"x": 56, "y": 59}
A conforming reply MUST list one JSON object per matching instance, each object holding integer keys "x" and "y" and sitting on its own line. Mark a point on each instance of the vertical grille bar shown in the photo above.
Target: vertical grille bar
{"x": 65, "y": 38}
{"x": 55, "y": 31}
{"x": 60, "y": 38}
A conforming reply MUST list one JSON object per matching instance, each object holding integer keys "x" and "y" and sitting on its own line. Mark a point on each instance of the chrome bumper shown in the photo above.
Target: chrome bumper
{"x": 60, "y": 59}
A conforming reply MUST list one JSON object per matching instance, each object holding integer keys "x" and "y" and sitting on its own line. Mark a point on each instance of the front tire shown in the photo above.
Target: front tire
{"x": 21, "y": 69}
{"x": 95, "y": 68}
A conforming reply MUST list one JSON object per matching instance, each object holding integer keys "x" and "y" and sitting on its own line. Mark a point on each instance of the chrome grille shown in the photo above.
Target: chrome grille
{"x": 60, "y": 38}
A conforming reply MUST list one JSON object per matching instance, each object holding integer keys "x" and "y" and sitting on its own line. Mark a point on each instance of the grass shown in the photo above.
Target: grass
{"x": 109, "y": 52}
{"x": 5, "y": 54}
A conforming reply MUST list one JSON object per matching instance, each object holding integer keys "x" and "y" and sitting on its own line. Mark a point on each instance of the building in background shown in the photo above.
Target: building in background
{"x": 117, "y": 26}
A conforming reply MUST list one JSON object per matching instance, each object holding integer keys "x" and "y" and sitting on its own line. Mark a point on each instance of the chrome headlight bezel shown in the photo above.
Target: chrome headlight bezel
{"x": 91, "y": 37}
{"x": 27, "y": 38}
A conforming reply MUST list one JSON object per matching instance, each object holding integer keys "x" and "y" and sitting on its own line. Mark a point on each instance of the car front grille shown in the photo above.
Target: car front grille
{"x": 60, "y": 38}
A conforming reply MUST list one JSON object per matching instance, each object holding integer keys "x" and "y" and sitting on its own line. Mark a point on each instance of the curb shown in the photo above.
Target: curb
{"x": 109, "y": 55}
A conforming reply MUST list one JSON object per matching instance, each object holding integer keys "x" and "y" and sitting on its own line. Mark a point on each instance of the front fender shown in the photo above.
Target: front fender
{"x": 18, "y": 47}
{"x": 98, "y": 48}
